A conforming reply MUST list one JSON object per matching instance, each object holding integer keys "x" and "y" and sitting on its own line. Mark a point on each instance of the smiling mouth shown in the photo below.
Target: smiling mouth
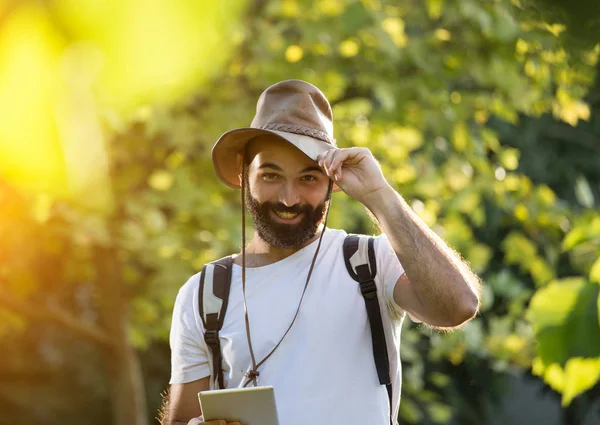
{"x": 286, "y": 215}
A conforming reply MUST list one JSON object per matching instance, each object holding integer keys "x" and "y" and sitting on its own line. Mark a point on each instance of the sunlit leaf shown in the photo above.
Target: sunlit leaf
{"x": 554, "y": 376}
{"x": 330, "y": 7}
{"x": 443, "y": 35}
{"x": 294, "y": 53}
{"x": 434, "y": 8}
{"x": 580, "y": 375}
{"x": 583, "y": 192}
{"x": 521, "y": 212}
{"x": 439, "y": 413}
{"x": 574, "y": 238}
{"x": 509, "y": 158}
{"x": 348, "y": 48}
{"x": 551, "y": 305}
{"x": 564, "y": 317}
{"x": 541, "y": 271}
{"x": 394, "y": 26}
{"x": 595, "y": 271}
{"x": 161, "y": 180}
{"x": 519, "y": 249}
{"x": 460, "y": 137}
{"x": 515, "y": 343}
{"x": 479, "y": 256}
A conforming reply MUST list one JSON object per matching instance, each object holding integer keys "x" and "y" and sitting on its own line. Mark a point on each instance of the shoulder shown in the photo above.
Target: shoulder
{"x": 381, "y": 242}
{"x": 335, "y": 235}
{"x": 189, "y": 291}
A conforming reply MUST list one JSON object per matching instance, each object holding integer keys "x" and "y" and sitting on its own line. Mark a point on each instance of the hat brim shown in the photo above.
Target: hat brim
{"x": 224, "y": 153}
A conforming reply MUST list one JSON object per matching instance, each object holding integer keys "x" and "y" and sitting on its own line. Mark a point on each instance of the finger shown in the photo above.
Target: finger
{"x": 321, "y": 157}
{"x": 325, "y": 161}
{"x": 324, "y": 157}
{"x": 334, "y": 167}
{"x": 337, "y": 161}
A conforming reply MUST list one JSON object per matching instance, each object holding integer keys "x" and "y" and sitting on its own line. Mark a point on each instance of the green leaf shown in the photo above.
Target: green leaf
{"x": 440, "y": 413}
{"x": 479, "y": 256}
{"x": 564, "y": 318}
{"x": 460, "y": 136}
{"x": 583, "y": 192}
{"x": 439, "y": 379}
{"x": 580, "y": 375}
{"x": 161, "y": 180}
{"x": 410, "y": 411}
{"x": 574, "y": 238}
{"x": 509, "y": 158}
{"x": 519, "y": 250}
{"x": 434, "y": 8}
{"x": 598, "y": 309}
{"x": 551, "y": 306}
{"x": 595, "y": 271}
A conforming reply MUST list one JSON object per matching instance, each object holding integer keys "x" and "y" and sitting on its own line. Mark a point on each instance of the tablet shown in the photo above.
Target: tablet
{"x": 250, "y": 406}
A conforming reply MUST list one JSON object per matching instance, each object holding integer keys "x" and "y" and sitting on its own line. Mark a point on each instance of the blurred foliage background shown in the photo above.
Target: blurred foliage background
{"x": 485, "y": 115}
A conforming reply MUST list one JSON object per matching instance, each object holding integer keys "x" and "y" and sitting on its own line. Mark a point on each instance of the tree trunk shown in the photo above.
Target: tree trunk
{"x": 128, "y": 396}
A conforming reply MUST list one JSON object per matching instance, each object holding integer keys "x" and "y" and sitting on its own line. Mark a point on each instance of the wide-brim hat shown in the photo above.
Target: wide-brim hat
{"x": 294, "y": 111}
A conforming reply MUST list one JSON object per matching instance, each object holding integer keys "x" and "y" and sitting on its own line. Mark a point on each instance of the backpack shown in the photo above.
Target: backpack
{"x": 359, "y": 257}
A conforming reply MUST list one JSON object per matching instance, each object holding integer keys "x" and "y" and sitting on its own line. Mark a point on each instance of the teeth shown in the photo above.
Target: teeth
{"x": 286, "y": 215}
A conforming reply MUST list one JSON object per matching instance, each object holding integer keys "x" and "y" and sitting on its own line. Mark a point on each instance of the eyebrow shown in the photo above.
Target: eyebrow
{"x": 270, "y": 165}
{"x": 278, "y": 168}
{"x": 312, "y": 168}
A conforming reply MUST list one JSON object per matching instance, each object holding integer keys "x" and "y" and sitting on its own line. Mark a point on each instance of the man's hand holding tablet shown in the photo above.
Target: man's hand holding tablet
{"x": 243, "y": 406}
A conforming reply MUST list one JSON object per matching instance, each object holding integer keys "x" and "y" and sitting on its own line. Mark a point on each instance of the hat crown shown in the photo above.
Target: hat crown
{"x": 295, "y": 106}
{"x": 291, "y": 111}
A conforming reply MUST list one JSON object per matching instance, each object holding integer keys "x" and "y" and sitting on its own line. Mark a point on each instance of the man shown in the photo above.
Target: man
{"x": 316, "y": 337}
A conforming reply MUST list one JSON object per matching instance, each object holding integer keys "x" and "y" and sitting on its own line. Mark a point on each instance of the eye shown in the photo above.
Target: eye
{"x": 270, "y": 176}
{"x": 308, "y": 178}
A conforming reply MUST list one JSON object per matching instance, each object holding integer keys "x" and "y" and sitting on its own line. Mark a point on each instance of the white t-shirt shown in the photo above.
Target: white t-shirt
{"x": 323, "y": 372}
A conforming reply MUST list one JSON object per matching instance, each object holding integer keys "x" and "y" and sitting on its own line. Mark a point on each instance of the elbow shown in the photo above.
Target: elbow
{"x": 466, "y": 309}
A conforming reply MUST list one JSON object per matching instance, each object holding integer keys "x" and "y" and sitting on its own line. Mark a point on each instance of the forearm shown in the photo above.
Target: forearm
{"x": 443, "y": 283}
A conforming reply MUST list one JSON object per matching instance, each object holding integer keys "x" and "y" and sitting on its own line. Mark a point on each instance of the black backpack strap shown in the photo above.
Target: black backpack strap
{"x": 213, "y": 296}
{"x": 359, "y": 256}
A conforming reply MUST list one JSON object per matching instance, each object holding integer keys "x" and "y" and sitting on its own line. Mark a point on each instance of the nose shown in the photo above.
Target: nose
{"x": 288, "y": 195}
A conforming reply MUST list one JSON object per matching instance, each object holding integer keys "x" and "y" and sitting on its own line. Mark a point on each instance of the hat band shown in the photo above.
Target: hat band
{"x": 300, "y": 130}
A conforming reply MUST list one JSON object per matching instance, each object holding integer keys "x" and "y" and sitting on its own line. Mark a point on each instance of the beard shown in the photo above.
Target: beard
{"x": 281, "y": 235}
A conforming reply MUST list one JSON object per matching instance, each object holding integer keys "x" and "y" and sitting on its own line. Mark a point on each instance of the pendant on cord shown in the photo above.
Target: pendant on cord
{"x": 251, "y": 376}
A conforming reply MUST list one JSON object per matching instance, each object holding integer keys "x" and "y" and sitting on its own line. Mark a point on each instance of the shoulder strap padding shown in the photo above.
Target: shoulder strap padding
{"x": 358, "y": 251}
{"x": 213, "y": 293}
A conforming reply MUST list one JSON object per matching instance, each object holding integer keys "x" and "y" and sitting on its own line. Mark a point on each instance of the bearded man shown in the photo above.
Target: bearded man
{"x": 314, "y": 340}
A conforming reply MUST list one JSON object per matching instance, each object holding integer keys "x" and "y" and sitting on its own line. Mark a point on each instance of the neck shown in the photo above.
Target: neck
{"x": 260, "y": 253}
